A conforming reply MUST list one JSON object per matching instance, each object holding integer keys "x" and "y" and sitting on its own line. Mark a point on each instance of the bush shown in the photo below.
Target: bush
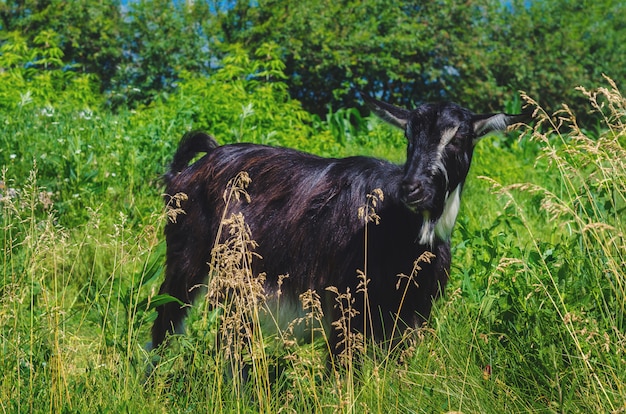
{"x": 245, "y": 100}
{"x": 38, "y": 77}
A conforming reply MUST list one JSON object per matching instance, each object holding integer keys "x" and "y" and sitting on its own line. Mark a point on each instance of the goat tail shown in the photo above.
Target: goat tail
{"x": 191, "y": 144}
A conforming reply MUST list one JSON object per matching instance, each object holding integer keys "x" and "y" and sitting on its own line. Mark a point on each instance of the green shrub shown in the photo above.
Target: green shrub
{"x": 35, "y": 77}
{"x": 246, "y": 100}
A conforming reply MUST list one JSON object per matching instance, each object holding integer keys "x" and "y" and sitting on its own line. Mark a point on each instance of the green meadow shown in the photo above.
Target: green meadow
{"x": 533, "y": 319}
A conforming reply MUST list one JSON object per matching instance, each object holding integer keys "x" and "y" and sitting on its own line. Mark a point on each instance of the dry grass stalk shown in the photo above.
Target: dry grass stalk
{"x": 588, "y": 204}
{"x": 173, "y": 207}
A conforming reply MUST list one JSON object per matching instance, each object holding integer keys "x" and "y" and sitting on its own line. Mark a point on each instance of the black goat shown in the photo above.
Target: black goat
{"x": 303, "y": 215}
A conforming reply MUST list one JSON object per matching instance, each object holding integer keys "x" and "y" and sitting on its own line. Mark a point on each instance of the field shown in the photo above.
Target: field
{"x": 534, "y": 318}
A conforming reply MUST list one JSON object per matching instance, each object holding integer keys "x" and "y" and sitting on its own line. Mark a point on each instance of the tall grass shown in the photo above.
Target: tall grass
{"x": 581, "y": 271}
{"x": 70, "y": 310}
{"x": 533, "y": 319}
{"x": 556, "y": 295}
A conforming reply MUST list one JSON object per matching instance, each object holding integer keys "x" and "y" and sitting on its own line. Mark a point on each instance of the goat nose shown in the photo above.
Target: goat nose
{"x": 411, "y": 188}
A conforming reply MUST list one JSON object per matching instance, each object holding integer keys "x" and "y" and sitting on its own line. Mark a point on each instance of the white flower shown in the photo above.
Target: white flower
{"x": 47, "y": 111}
{"x": 86, "y": 114}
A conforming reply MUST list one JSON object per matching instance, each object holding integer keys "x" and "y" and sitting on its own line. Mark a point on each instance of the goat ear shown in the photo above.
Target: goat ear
{"x": 484, "y": 124}
{"x": 394, "y": 115}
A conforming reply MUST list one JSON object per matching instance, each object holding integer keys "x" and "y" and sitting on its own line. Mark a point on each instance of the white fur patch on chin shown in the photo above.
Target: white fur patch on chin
{"x": 427, "y": 233}
{"x": 445, "y": 224}
{"x": 442, "y": 228}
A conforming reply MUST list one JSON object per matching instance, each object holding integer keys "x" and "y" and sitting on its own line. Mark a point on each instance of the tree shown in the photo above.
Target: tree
{"x": 550, "y": 48}
{"x": 478, "y": 52}
{"x": 137, "y": 50}
{"x": 162, "y": 39}
{"x": 404, "y": 52}
{"x": 37, "y": 74}
{"x": 89, "y": 33}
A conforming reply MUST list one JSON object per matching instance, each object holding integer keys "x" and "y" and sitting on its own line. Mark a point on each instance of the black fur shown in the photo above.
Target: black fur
{"x": 304, "y": 216}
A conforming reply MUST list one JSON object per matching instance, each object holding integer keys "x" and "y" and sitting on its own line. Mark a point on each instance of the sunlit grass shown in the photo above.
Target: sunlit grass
{"x": 533, "y": 319}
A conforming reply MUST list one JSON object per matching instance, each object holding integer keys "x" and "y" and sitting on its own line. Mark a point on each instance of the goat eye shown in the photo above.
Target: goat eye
{"x": 457, "y": 140}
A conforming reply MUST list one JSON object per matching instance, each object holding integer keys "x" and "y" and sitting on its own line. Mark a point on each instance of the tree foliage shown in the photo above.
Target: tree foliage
{"x": 550, "y": 48}
{"x": 89, "y": 33}
{"x": 162, "y": 40}
{"x": 478, "y": 52}
{"x": 246, "y": 99}
{"x": 39, "y": 75}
